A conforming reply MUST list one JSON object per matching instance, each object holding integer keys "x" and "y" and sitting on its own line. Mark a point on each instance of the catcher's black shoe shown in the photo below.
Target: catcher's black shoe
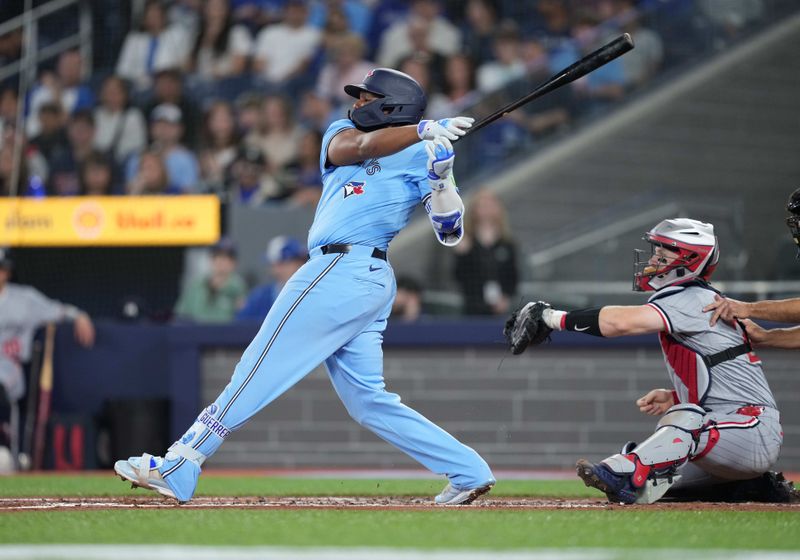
{"x": 770, "y": 487}
{"x": 617, "y": 488}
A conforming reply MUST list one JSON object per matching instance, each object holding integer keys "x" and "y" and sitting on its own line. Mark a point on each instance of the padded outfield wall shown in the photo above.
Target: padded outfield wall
{"x": 540, "y": 410}
{"x": 544, "y": 409}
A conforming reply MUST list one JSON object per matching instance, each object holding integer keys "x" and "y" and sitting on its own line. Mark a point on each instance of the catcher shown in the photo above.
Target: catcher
{"x": 720, "y": 422}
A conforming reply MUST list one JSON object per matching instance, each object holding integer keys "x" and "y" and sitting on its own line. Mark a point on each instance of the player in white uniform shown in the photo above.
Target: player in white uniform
{"x": 720, "y": 421}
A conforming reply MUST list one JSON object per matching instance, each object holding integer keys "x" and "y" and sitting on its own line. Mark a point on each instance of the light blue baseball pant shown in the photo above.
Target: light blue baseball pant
{"x": 334, "y": 309}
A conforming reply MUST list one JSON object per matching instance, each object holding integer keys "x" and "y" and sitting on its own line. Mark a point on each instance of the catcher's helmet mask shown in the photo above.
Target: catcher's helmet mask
{"x": 695, "y": 251}
{"x": 400, "y": 100}
{"x": 793, "y": 221}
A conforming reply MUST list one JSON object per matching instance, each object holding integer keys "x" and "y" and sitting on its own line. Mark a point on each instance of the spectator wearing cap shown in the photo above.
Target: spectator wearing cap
{"x": 215, "y": 297}
{"x": 166, "y": 129}
{"x": 251, "y": 183}
{"x": 23, "y": 310}
{"x": 152, "y": 47}
{"x": 285, "y": 255}
{"x": 168, "y": 88}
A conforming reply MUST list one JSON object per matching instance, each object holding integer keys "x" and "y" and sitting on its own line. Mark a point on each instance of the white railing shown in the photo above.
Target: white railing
{"x": 28, "y": 63}
{"x": 32, "y": 55}
{"x": 749, "y": 290}
{"x": 637, "y": 220}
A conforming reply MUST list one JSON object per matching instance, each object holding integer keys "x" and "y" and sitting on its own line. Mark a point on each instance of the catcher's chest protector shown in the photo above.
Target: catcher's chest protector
{"x": 691, "y": 370}
{"x": 690, "y": 375}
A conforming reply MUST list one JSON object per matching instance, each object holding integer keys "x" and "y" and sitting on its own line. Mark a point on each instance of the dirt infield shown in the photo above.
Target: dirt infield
{"x": 358, "y": 503}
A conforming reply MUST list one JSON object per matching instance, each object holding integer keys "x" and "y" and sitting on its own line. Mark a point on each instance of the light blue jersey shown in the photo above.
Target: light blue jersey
{"x": 370, "y": 202}
{"x": 334, "y": 311}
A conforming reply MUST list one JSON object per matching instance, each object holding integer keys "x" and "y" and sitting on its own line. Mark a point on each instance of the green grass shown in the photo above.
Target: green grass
{"x": 110, "y": 485}
{"x": 423, "y": 529}
{"x": 461, "y": 528}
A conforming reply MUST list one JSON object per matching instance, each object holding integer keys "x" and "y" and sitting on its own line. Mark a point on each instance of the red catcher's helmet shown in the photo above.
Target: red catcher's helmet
{"x": 696, "y": 254}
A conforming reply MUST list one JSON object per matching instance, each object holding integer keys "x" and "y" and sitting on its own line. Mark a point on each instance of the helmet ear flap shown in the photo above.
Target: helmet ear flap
{"x": 711, "y": 265}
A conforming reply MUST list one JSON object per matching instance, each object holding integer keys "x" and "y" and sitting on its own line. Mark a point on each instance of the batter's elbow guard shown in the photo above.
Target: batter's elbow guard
{"x": 449, "y": 227}
{"x": 446, "y": 213}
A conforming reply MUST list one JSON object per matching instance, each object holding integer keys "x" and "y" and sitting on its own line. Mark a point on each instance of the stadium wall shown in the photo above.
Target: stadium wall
{"x": 544, "y": 409}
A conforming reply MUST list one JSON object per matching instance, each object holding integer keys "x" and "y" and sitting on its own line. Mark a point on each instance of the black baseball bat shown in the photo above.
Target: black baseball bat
{"x": 588, "y": 63}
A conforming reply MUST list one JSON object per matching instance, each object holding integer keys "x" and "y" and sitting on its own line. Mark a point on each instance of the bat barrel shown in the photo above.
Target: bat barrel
{"x": 580, "y": 68}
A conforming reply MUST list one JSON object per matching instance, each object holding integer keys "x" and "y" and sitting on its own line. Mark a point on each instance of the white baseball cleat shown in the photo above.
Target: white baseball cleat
{"x": 146, "y": 472}
{"x": 452, "y": 496}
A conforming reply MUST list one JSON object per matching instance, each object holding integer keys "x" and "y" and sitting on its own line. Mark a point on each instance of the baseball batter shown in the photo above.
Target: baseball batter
{"x": 720, "y": 422}
{"x": 375, "y": 171}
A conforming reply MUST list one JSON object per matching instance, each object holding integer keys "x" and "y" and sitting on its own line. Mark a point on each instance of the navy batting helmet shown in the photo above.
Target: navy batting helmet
{"x": 400, "y": 100}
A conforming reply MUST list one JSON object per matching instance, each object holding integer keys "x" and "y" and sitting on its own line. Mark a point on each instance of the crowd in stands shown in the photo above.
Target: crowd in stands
{"x": 199, "y": 85}
{"x": 231, "y": 97}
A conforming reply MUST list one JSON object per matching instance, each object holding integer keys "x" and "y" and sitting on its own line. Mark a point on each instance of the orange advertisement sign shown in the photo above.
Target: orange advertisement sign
{"x": 110, "y": 220}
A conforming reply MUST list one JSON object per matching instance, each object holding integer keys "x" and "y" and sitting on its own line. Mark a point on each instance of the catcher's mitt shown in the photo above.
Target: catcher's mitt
{"x": 526, "y": 327}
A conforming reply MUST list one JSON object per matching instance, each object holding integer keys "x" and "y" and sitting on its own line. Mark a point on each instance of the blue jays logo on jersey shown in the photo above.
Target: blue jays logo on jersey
{"x": 354, "y": 187}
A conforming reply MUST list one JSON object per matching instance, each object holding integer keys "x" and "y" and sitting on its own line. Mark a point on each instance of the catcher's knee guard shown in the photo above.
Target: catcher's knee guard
{"x": 658, "y": 457}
